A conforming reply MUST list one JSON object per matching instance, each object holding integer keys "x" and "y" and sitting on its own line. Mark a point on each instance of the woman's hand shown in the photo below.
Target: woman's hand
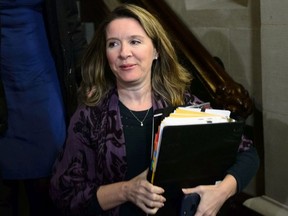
{"x": 137, "y": 190}
{"x": 143, "y": 194}
{"x": 213, "y": 196}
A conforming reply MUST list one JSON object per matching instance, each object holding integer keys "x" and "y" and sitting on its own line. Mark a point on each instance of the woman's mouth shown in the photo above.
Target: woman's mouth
{"x": 127, "y": 66}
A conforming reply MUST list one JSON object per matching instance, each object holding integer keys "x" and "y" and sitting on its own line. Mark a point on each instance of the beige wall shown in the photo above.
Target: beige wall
{"x": 250, "y": 36}
{"x": 274, "y": 52}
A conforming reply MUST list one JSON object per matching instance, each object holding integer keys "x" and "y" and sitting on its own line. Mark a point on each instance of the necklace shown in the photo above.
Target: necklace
{"x": 141, "y": 122}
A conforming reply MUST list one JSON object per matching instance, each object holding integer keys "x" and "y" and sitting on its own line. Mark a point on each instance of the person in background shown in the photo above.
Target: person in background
{"x": 42, "y": 43}
{"x": 130, "y": 69}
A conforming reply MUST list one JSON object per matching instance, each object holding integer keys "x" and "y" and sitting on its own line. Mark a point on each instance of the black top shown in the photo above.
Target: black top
{"x": 138, "y": 148}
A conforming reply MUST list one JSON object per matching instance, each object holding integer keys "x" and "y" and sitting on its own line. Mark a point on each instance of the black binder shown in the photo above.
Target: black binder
{"x": 192, "y": 155}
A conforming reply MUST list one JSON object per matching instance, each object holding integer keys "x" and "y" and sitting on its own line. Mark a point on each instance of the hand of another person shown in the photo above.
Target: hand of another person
{"x": 213, "y": 196}
{"x": 144, "y": 194}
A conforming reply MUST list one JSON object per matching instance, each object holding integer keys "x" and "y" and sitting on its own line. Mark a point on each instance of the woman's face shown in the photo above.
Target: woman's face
{"x": 130, "y": 52}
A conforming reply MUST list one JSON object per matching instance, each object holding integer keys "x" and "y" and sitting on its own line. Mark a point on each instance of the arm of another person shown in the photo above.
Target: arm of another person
{"x": 78, "y": 41}
{"x": 237, "y": 178}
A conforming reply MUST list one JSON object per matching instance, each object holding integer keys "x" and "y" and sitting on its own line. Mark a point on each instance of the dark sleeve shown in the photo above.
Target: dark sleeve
{"x": 68, "y": 43}
{"x": 76, "y": 36}
{"x": 247, "y": 164}
{"x": 94, "y": 207}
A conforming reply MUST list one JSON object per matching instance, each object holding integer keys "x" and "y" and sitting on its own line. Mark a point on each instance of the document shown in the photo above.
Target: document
{"x": 192, "y": 146}
{"x": 185, "y": 116}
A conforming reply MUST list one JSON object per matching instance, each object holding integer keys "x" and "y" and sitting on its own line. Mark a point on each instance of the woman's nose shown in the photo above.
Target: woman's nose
{"x": 125, "y": 51}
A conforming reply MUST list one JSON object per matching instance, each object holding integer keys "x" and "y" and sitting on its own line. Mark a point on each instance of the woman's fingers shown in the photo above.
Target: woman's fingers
{"x": 147, "y": 196}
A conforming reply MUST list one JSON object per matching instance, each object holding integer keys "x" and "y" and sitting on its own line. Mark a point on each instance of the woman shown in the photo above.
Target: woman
{"x": 41, "y": 47}
{"x": 130, "y": 69}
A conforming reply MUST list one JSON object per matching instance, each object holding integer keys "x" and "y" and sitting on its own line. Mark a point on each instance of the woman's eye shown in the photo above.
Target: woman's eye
{"x": 111, "y": 44}
{"x": 135, "y": 42}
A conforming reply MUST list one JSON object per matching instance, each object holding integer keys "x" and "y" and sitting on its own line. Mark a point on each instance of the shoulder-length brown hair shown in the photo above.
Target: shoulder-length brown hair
{"x": 170, "y": 80}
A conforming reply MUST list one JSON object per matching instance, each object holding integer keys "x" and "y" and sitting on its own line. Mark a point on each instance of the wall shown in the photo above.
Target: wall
{"x": 274, "y": 54}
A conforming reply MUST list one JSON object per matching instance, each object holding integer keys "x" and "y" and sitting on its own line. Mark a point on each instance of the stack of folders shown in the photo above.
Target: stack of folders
{"x": 183, "y": 116}
{"x": 192, "y": 146}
